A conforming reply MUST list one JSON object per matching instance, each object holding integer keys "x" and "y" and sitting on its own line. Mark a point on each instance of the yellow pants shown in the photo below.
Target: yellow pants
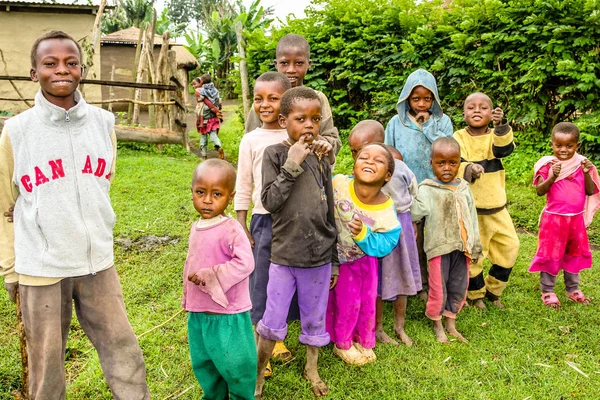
{"x": 501, "y": 245}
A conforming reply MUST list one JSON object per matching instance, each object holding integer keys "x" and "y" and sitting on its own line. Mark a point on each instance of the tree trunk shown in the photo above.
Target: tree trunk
{"x": 243, "y": 67}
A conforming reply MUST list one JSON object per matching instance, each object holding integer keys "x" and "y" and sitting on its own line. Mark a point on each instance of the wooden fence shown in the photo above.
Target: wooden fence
{"x": 166, "y": 106}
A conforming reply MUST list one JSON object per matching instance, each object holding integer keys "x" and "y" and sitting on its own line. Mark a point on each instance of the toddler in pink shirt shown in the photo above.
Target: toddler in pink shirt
{"x": 216, "y": 290}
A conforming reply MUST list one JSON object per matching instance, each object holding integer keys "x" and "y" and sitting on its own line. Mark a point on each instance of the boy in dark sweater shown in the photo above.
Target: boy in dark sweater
{"x": 297, "y": 191}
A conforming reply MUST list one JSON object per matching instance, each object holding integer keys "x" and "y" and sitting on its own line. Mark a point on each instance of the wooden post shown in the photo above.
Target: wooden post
{"x": 161, "y": 77}
{"x": 23, "y": 394}
{"x": 136, "y": 61}
{"x": 95, "y": 39}
{"x": 140, "y": 78}
{"x": 111, "y": 91}
{"x": 243, "y": 67}
{"x": 152, "y": 109}
{"x": 177, "y": 112}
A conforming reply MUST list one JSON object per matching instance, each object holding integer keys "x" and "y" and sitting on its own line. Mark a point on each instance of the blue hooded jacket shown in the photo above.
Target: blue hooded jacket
{"x": 412, "y": 141}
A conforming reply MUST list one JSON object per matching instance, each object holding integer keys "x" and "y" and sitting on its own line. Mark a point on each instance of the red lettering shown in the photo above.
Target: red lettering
{"x": 40, "y": 178}
{"x": 87, "y": 169}
{"x": 101, "y": 167}
{"x": 57, "y": 169}
{"x": 26, "y": 182}
{"x": 108, "y": 176}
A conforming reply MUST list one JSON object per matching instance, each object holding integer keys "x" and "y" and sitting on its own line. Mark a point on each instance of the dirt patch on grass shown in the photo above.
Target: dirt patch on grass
{"x": 147, "y": 243}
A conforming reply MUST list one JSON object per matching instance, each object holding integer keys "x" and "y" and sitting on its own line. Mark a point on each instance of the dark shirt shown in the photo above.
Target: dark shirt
{"x": 304, "y": 233}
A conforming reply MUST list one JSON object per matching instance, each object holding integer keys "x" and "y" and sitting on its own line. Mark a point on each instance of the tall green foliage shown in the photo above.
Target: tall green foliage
{"x": 539, "y": 59}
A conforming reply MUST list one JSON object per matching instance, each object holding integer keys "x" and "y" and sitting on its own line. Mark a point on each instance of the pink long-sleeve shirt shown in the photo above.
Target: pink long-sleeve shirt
{"x": 249, "y": 176}
{"x": 220, "y": 254}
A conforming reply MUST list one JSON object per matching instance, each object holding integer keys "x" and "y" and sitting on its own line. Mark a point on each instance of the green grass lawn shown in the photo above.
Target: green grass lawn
{"x": 525, "y": 352}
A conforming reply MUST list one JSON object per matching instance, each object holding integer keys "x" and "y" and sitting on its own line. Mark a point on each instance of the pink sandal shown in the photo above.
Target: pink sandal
{"x": 578, "y": 297}
{"x": 550, "y": 300}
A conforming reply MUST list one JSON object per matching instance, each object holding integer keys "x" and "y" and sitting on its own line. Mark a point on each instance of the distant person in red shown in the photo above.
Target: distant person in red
{"x": 208, "y": 114}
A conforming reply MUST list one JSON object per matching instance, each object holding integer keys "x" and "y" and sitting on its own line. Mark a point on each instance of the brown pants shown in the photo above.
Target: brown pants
{"x": 101, "y": 312}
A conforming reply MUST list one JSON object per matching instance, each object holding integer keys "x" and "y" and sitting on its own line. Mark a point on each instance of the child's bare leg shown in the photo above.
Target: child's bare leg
{"x": 451, "y": 328}
{"x": 380, "y": 334}
{"x": 264, "y": 349}
{"x": 399, "y": 315}
{"x": 438, "y": 329}
{"x": 311, "y": 373}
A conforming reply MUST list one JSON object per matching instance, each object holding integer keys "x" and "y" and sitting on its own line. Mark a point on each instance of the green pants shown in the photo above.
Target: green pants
{"x": 223, "y": 354}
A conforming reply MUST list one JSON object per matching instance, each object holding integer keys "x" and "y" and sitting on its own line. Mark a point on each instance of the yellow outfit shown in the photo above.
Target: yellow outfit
{"x": 497, "y": 232}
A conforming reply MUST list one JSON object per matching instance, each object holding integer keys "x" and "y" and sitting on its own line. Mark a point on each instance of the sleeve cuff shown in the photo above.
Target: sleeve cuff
{"x": 503, "y": 129}
{"x": 362, "y": 234}
{"x": 335, "y": 270}
{"x": 292, "y": 168}
{"x": 12, "y": 277}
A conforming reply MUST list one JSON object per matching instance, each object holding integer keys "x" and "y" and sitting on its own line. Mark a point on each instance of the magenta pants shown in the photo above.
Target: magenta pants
{"x": 351, "y": 307}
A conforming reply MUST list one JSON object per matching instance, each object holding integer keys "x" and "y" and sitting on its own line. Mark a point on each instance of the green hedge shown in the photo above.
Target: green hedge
{"x": 537, "y": 59}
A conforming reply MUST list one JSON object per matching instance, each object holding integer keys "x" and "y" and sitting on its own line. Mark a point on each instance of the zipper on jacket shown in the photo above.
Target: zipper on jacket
{"x": 87, "y": 233}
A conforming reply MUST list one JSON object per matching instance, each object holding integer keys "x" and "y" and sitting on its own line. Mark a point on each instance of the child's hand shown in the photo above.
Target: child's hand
{"x": 197, "y": 280}
{"x": 476, "y": 171}
{"x": 422, "y": 116}
{"x": 497, "y": 116}
{"x": 321, "y": 147}
{"x": 9, "y": 214}
{"x": 355, "y": 225}
{"x": 299, "y": 151}
{"x": 586, "y": 166}
{"x": 556, "y": 166}
{"x": 333, "y": 282}
{"x": 249, "y": 237}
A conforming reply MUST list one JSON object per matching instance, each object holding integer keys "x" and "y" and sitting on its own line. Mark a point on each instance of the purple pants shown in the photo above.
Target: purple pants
{"x": 312, "y": 285}
{"x": 351, "y": 308}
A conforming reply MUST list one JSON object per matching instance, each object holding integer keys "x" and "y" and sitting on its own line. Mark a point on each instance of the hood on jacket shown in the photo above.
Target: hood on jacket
{"x": 423, "y": 78}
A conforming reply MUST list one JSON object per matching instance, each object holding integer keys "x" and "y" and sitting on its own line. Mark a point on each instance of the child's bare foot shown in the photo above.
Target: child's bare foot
{"x": 311, "y": 374}
{"x": 423, "y": 295}
{"x": 451, "y": 328}
{"x": 440, "y": 334}
{"x": 498, "y": 304}
{"x": 400, "y": 334}
{"x": 318, "y": 387}
{"x": 479, "y": 304}
{"x": 495, "y": 300}
{"x": 383, "y": 337}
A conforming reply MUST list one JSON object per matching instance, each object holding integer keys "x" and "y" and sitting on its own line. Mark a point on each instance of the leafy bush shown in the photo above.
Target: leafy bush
{"x": 538, "y": 59}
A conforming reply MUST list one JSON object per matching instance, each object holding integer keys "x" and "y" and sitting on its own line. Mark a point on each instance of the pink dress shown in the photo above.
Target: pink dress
{"x": 563, "y": 240}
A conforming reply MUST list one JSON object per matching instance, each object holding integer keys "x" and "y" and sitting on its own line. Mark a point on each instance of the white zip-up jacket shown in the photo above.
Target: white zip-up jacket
{"x": 63, "y": 219}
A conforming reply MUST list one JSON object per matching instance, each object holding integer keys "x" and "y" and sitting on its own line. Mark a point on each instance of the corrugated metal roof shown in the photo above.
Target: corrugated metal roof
{"x": 127, "y": 36}
{"x": 89, "y": 3}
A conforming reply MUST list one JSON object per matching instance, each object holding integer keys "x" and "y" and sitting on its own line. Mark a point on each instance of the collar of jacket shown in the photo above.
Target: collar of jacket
{"x": 57, "y": 116}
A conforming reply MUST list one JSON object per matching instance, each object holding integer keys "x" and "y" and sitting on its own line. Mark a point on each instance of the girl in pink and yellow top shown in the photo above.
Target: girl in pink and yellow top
{"x": 368, "y": 228}
{"x": 571, "y": 185}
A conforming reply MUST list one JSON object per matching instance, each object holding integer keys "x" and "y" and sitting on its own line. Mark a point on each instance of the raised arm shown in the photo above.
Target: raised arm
{"x": 377, "y": 244}
{"x": 327, "y": 129}
{"x": 277, "y": 180}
